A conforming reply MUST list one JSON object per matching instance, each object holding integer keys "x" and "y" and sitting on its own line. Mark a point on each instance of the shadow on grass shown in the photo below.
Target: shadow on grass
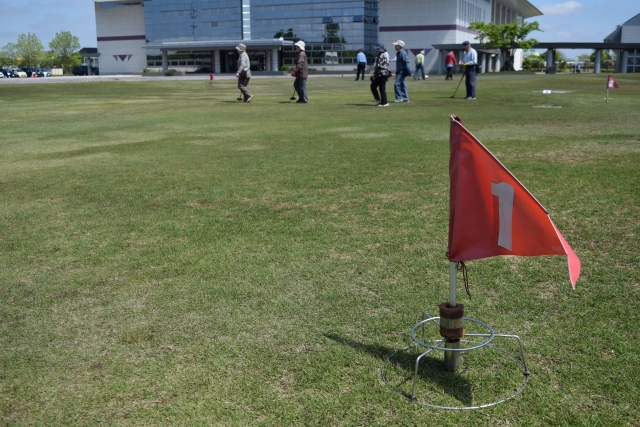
{"x": 431, "y": 369}
{"x": 363, "y": 105}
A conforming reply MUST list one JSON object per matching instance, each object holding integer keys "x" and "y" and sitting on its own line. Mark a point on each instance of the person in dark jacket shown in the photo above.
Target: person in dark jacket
{"x": 403, "y": 69}
{"x": 380, "y": 76}
{"x": 301, "y": 72}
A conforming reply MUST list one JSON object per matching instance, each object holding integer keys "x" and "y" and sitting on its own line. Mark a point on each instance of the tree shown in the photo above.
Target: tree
{"x": 533, "y": 60}
{"x": 30, "y": 50}
{"x": 506, "y": 37}
{"x": 287, "y": 35}
{"x": 331, "y": 34}
{"x": 65, "y": 47}
{"x": 9, "y": 54}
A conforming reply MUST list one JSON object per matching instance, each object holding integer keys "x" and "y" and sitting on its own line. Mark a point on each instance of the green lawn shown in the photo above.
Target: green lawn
{"x": 169, "y": 256}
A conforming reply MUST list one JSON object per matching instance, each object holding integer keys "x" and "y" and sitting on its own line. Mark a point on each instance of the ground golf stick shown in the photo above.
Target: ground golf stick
{"x": 293, "y": 97}
{"x": 240, "y": 97}
{"x": 454, "y": 93}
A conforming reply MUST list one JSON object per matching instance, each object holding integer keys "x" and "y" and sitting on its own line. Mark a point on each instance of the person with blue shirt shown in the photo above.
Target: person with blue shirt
{"x": 403, "y": 69}
{"x": 362, "y": 64}
{"x": 470, "y": 62}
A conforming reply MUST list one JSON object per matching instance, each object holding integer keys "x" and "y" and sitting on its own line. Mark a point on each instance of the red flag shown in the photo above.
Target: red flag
{"x": 611, "y": 84}
{"x": 491, "y": 213}
{"x": 210, "y": 76}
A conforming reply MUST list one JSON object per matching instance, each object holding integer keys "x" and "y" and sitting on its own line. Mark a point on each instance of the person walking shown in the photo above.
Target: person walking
{"x": 301, "y": 72}
{"x": 244, "y": 72}
{"x": 402, "y": 71}
{"x": 449, "y": 62}
{"x": 420, "y": 66}
{"x": 470, "y": 62}
{"x": 362, "y": 64}
{"x": 380, "y": 76}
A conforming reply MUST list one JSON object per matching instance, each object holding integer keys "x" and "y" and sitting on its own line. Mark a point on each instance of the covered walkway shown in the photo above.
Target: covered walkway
{"x": 490, "y": 58}
{"x": 270, "y": 48}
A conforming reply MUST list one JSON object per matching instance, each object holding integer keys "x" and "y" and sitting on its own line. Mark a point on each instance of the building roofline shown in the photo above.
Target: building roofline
{"x": 212, "y": 44}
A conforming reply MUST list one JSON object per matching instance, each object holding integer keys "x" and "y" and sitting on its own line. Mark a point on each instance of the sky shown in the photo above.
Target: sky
{"x": 570, "y": 20}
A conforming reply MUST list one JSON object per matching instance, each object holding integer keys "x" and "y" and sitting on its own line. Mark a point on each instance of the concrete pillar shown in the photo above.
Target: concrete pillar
{"x": 498, "y": 63}
{"x": 598, "y": 60}
{"x": 483, "y": 63}
{"x": 274, "y": 59}
{"x": 216, "y": 61}
{"x": 625, "y": 60}
{"x": 165, "y": 61}
{"x": 267, "y": 60}
{"x": 550, "y": 62}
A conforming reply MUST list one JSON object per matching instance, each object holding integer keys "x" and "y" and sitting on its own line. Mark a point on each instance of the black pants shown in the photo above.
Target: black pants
{"x": 361, "y": 67}
{"x": 470, "y": 82}
{"x": 379, "y": 83}
{"x": 449, "y": 75}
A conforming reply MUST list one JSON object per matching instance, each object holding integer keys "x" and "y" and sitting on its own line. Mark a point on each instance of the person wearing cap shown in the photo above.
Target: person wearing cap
{"x": 362, "y": 64}
{"x": 301, "y": 72}
{"x": 420, "y": 66}
{"x": 403, "y": 69}
{"x": 449, "y": 62}
{"x": 244, "y": 73}
{"x": 470, "y": 62}
{"x": 380, "y": 76}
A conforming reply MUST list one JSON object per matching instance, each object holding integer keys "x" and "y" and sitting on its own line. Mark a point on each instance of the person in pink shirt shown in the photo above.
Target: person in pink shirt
{"x": 449, "y": 62}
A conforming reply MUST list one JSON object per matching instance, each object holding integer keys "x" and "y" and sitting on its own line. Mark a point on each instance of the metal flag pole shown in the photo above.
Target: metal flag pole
{"x": 607, "y": 98}
{"x": 452, "y": 322}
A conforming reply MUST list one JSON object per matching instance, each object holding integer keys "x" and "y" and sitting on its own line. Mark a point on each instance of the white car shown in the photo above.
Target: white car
{"x": 1, "y": 75}
{"x": 19, "y": 72}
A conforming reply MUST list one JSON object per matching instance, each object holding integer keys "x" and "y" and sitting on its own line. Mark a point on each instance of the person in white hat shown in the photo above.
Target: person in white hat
{"x": 420, "y": 66}
{"x": 244, "y": 72}
{"x": 403, "y": 70}
{"x": 301, "y": 72}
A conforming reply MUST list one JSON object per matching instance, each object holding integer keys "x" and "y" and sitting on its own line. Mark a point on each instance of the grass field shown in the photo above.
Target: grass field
{"x": 169, "y": 256}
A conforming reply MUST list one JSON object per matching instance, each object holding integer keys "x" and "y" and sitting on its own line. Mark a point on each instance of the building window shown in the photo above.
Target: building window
{"x": 358, "y": 18}
{"x": 327, "y": 20}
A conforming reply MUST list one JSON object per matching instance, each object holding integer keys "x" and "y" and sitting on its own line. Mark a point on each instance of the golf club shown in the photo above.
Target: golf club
{"x": 240, "y": 97}
{"x": 454, "y": 93}
{"x": 293, "y": 97}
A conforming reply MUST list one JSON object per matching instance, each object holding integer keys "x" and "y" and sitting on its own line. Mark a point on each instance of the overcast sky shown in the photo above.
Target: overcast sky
{"x": 572, "y": 20}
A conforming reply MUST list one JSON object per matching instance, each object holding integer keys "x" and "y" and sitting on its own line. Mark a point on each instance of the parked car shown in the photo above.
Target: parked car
{"x": 9, "y": 73}
{"x": 41, "y": 72}
{"x": 28, "y": 70}
{"x": 19, "y": 72}
{"x": 82, "y": 71}
{"x": 203, "y": 69}
{"x": 1, "y": 75}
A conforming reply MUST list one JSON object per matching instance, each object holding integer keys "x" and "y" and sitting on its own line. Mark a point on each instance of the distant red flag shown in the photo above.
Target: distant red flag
{"x": 210, "y": 76}
{"x": 491, "y": 213}
{"x": 611, "y": 84}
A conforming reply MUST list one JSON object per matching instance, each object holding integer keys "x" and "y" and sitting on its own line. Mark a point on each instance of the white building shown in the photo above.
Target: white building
{"x": 136, "y": 34}
{"x": 421, "y": 24}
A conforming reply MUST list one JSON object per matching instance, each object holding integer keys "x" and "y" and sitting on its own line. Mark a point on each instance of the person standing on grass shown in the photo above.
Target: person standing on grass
{"x": 403, "y": 69}
{"x": 380, "y": 76}
{"x": 470, "y": 62}
{"x": 420, "y": 66}
{"x": 362, "y": 64}
{"x": 244, "y": 73}
{"x": 449, "y": 62}
{"x": 301, "y": 72}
